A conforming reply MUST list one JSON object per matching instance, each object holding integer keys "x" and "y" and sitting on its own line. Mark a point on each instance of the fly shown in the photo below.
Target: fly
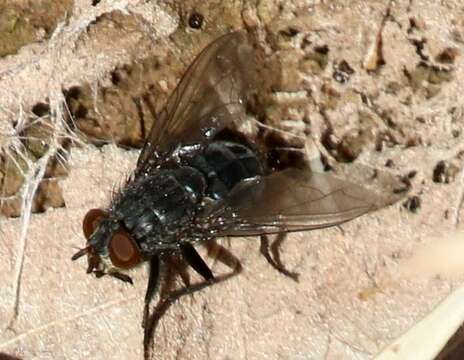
{"x": 191, "y": 186}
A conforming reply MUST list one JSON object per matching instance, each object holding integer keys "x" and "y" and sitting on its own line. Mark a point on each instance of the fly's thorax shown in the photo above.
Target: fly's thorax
{"x": 159, "y": 208}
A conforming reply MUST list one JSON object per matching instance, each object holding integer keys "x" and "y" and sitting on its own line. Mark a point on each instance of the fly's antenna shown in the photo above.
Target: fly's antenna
{"x": 81, "y": 253}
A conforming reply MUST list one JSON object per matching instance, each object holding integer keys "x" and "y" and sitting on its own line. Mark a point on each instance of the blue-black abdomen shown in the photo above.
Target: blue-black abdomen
{"x": 224, "y": 164}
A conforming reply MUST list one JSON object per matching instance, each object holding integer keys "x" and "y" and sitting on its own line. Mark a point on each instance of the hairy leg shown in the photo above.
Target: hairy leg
{"x": 154, "y": 269}
{"x": 272, "y": 254}
{"x": 192, "y": 257}
{"x": 169, "y": 298}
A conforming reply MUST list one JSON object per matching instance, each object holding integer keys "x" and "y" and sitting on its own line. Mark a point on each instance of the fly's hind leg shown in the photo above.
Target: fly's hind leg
{"x": 272, "y": 254}
{"x": 220, "y": 253}
{"x": 216, "y": 251}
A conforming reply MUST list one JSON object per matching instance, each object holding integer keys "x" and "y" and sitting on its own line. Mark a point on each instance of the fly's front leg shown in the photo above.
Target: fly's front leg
{"x": 154, "y": 269}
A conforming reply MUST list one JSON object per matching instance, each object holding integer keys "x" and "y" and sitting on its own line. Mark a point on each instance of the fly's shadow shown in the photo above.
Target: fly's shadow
{"x": 171, "y": 265}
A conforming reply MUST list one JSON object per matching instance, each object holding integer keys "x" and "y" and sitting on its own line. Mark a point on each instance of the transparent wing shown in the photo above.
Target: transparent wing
{"x": 211, "y": 96}
{"x": 291, "y": 200}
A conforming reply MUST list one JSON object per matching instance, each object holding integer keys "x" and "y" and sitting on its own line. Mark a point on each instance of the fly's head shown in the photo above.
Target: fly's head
{"x": 110, "y": 247}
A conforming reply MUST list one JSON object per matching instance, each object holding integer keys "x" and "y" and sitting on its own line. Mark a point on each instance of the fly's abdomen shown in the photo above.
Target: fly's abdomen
{"x": 160, "y": 207}
{"x": 224, "y": 164}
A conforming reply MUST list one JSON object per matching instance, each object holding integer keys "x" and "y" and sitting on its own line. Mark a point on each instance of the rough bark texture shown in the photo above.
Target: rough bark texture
{"x": 375, "y": 82}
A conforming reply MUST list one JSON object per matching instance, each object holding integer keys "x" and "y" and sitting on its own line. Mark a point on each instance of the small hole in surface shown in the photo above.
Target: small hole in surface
{"x": 41, "y": 109}
{"x": 195, "y": 20}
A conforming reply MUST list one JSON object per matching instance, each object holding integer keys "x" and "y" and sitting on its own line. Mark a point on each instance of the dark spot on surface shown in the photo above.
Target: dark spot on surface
{"x": 195, "y": 20}
{"x": 345, "y": 67}
{"x": 389, "y": 163}
{"x": 290, "y": 31}
{"x": 325, "y": 163}
{"x": 413, "y": 141}
{"x": 404, "y": 189}
{"x": 446, "y": 171}
{"x": 420, "y": 45}
{"x": 365, "y": 99}
{"x": 412, "y": 25}
{"x": 141, "y": 116}
{"x": 95, "y": 2}
{"x": 327, "y": 140}
{"x": 41, "y": 109}
{"x": 343, "y": 72}
{"x": 412, "y": 174}
{"x": 80, "y": 112}
{"x": 439, "y": 172}
{"x": 416, "y": 24}
{"x": 406, "y": 181}
{"x": 115, "y": 78}
{"x": 407, "y": 74}
{"x": 306, "y": 42}
{"x": 340, "y": 77}
{"x": 345, "y": 149}
{"x": 317, "y": 59}
{"x": 323, "y": 50}
{"x": 446, "y": 214}
{"x": 447, "y": 56}
{"x": 73, "y": 92}
{"x": 412, "y": 204}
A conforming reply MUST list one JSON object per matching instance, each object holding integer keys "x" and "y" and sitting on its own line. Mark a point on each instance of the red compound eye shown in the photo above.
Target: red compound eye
{"x": 91, "y": 221}
{"x": 124, "y": 251}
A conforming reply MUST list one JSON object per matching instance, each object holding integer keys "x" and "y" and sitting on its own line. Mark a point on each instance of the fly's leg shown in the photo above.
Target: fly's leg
{"x": 220, "y": 253}
{"x": 122, "y": 277}
{"x": 196, "y": 262}
{"x": 169, "y": 298}
{"x": 154, "y": 268}
{"x": 272, "y": 255}
{"x": 181, "y": 267}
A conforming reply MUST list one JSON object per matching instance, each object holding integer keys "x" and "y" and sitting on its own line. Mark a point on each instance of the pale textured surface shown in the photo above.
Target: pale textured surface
{"x": 353, "y": 297}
